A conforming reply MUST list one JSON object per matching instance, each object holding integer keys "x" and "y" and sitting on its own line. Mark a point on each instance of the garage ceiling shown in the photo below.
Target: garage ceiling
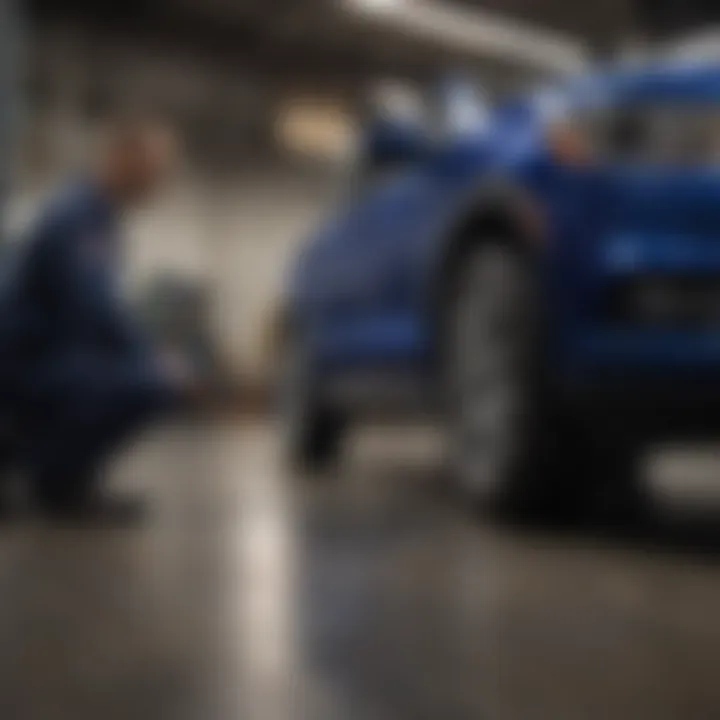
{"x": 667, "y": 18}
{"x": 319, "y": 36}
{"x": 261, "y": 53}
{"x": 316, "y": 35}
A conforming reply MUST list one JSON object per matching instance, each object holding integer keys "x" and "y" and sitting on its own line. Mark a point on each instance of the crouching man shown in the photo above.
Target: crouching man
{"x": 75, "y": 371}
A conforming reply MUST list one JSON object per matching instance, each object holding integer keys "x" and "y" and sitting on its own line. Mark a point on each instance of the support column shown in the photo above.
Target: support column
{"x": 10, "y": 96}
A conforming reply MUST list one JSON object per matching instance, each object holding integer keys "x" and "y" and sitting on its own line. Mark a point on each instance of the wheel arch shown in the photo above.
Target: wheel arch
{"x": 501, "y": 212}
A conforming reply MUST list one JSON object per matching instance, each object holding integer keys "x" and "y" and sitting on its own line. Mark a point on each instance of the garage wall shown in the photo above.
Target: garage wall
{"x": 238, "y": 236}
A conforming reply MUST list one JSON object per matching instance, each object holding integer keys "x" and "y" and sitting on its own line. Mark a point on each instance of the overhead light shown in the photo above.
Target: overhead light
{"x": 478, "y": 32}
{"x": 379, "y": 5}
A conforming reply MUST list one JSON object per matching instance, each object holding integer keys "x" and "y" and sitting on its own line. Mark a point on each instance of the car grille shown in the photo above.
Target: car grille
{"x": 666, "y": 302}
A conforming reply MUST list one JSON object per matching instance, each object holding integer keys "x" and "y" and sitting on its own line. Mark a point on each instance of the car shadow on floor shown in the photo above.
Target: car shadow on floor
{"x": 662, "y": 526}
{"x": 673, "y": 530}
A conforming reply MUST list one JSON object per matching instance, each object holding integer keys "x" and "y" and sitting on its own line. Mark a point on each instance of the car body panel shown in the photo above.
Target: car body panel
{"x": 363, "y": 289}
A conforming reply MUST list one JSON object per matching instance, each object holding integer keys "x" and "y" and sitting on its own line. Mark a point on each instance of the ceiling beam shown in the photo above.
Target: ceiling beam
{"x": 244, "y": 42}
{"x": 476, "y": 32}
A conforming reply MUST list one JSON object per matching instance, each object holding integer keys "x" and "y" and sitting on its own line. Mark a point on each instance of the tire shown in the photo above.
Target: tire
{"x": 515, "y": 448}
{"x": 312, "y": 432}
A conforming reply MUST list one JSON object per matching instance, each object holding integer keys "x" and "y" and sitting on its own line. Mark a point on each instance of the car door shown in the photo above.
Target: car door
{"x": 397, "y": 225}
{"x": 368, "y": 313}
{"x": 373, "y": 309}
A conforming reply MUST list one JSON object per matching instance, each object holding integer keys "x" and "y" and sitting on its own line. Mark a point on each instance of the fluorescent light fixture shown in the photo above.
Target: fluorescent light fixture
{"x": 478, "y": 32}
{"x": 382, "y": 5}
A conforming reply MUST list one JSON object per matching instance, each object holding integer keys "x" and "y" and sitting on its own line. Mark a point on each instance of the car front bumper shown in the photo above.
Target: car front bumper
{"x": 658, "y": 383}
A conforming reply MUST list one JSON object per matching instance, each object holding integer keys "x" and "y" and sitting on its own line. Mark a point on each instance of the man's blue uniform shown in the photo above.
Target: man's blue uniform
{"x": 75, "y": 371}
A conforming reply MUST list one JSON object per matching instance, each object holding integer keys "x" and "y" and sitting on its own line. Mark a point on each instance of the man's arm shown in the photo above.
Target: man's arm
{"x": 110, "y": 316}
{"x": 74, "y": 280}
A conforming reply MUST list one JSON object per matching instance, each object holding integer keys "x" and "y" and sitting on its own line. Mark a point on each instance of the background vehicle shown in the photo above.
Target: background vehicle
{"x": 548, "y": 278}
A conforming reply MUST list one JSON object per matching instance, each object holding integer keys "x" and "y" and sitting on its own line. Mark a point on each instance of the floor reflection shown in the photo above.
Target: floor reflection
{"x": 366, "y": 595}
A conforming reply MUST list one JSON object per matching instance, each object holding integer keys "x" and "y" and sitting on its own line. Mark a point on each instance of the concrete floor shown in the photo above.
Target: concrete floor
{"x": 252, "y": 595}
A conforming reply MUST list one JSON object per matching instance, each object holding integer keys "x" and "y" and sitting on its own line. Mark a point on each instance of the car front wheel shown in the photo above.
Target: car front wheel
{"x": 514, "y": 447}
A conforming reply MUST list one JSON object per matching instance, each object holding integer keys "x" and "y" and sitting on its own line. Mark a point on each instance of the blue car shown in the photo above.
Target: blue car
{"x": 545, "y": 278}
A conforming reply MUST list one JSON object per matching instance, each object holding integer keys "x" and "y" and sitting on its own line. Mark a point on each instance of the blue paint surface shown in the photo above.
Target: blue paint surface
{"x": 365, "y": 284}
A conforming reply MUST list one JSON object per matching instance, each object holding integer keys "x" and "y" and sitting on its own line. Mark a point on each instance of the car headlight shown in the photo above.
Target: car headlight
{"x": 567, "y": 134}
{"x": 569, "y": 143}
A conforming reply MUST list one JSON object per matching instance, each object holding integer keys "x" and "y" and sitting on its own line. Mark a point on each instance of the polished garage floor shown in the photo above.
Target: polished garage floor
{"x": 251, "y": 595}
